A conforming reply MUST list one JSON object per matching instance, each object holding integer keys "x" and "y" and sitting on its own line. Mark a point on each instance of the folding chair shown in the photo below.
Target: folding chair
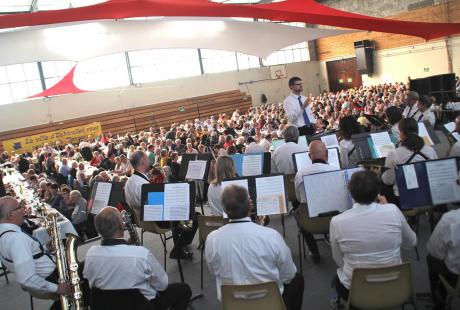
{"x": 452, "y": 292}
{"x": 265, "y": 296}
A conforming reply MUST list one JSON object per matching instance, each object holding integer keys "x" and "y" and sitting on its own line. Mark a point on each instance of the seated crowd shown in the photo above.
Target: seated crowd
{"x": 64, "y": 175}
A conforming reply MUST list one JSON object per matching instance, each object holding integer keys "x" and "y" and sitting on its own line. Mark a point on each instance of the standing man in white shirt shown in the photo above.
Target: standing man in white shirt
{"x": 282, "y": 161}
{"x": 411, "y": 105}
{"x": 115, "y": 265}
{"x": 243, "y": 252}
{"x": 444, "y": 255}
{"x": 298, "y": 110}
{"x": 424, "y": 111}
{"x": 369, "y": 235}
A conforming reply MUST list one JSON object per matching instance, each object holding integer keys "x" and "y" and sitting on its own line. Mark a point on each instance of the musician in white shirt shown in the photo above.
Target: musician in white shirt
{"x": 115, "y": 265}
{"x": 282, "y": 161}
{"x": 370, "y": 235}
{"x": 424, "y": 111}
{"x": 298, "y": 110}
{"x": 243, "y": 252}
{"x": 411, "y": 109}
{"x": 455, "y": 150}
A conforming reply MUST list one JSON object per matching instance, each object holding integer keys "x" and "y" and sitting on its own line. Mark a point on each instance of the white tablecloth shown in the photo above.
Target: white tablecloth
{"x": 65, "y": 227}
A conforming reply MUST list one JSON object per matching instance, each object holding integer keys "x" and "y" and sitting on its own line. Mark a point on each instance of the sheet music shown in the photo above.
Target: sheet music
{"x": 276, "y": 144}
{"x": 410, "y": 177}
{"x": 423, "y": 133}
{"x": 442, "y": 177}
{"x": 382, "y": 143}
{"x": 302, "y": 160}
{"x": 333, "y": 157}
{"x": 239, "y": 182}
{"x": 450, "y": 126}
{"x": 252, "y": 164}
{"x": 271, "y": 197}
{"x": 303, "y": 141}
{"x": 177, "y": 202}
{"x": 154, "y": 208}
{"x": 196, "y": 169}
{"x": 102, "y": 196}
{"x": 456, "y": 136}
{"x": 330, "y": 141}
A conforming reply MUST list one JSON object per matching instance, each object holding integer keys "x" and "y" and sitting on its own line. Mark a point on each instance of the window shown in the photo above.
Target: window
{"x": 218, "y": 61}
{"x": 54, "y": 71}
{"x": 19, "y": 82}
{"x": 163, "y": 64}
{"x": 247, "y": 61}
{"x": 13, "y": 6}
{"x": 102, "y": 72}
{"x": 45, "y": 5}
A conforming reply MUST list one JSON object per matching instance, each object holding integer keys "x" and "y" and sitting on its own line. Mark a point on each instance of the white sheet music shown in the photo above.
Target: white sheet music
{"x": 456, "y": 136}
{"x": 382, "y": 143}
{"x": 303, "y": 141}
{"x": 271, "y": 197}
{"x": 442, "y": 177}
{"x": 450, "y": 126}
{"x": 196, "y": 170}
{"x": 102, "y": 196}
{"x": 302, "y": 160}
{"x": 177, "y": 202}
{"x": 423, "y": 133}
{"x": 333, "y": 157}
{"x": 335, "y": 200}
{"x": 252, "y": 164}
{"x": 330, "y": 141}
{"x": 410, "y": 176}
{"x": 153, "y": 213}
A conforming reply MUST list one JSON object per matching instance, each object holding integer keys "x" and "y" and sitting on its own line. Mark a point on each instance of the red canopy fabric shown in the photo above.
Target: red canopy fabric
{"x": 64, "y": 86}
{"x": 307, "y": 11}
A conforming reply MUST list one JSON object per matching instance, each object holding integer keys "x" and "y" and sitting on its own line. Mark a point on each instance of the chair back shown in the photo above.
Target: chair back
{"x": 207, "y": 224}
{"x": 453, "y": 291}
{"x": 316, "y": 225}
{"x": 265, "y": 296}
{"x": 118, "y": 300}
{"x": 290, "y": 187}
{"x": 380, "y": 288}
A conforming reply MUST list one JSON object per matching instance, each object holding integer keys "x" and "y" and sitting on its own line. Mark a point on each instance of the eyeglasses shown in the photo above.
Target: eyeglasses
{"x": 20, "y": 207}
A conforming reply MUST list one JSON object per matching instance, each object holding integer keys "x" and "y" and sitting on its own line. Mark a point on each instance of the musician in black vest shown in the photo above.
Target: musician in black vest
{"x": 133, "y": 190}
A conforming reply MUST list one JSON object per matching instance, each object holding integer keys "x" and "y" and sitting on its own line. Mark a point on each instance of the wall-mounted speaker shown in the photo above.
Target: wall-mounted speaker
{"x": 364, "y": 51}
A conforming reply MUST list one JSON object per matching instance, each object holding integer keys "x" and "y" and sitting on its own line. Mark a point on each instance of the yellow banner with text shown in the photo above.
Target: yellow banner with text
{"x": 75, "y": 134}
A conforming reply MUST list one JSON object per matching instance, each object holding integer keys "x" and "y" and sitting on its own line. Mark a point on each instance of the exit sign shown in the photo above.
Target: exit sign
{"x": 426, "y": 69}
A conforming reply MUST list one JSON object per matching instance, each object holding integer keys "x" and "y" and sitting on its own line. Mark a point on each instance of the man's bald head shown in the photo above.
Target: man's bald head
{"x": 7, "y": 204}
{"x": 318, "y": 150}
{"x": 109, "y": 224}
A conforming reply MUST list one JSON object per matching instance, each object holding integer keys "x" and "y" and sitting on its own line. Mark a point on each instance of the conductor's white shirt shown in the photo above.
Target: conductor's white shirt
{"x": 312, "y": 169}
{"x": 369, "y": 236}
{"x": 123, "y": 266}
{"x": 20, "y": 248}
{"x": 247, "y": 253}
{"x": 282, "y": 161}
{"x": 294, "y": 112}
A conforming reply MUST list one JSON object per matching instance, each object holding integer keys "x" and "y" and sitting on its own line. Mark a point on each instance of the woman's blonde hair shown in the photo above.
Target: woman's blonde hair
{"x": 225, "y": 169}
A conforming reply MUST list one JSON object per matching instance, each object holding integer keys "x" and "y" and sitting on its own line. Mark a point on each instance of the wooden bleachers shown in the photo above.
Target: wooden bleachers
{"x": 142, "y": 118}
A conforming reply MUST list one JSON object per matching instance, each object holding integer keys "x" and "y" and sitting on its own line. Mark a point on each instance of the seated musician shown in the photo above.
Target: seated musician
{"x": 319, "y": 156}
{"x": 133, "y": 188}
{"x": 243, "y": 252}
{"x": 349, "y": 156}
{"x": 115, "y": 265}
{"x": 225, "y": 169}
{"x": 282, "y": 156}
{"x": 24, "y": 255}
{"x": 370, "y": 235}
{"x": 455, "y": 150}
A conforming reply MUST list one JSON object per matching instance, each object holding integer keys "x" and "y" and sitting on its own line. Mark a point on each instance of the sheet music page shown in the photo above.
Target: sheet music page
{"x": 302, "y": 160}
{"x": 456, "y": 136}
{"x": 410, "y": 176}
{"x": 153, "y": 209}
{"x": 303, "y": 141}
{"x": 442, "y": 177}
{"x": 382, "y": 143}
{"x": 240, "y": 182}
{"x": 450, "y": 126}
{"x": 276, "y": 144}
{"x": 423, "y": 133}
{"x": 102, "y": 196}
{"x": 337, "y": 194}
{"x": 271, "y": 197}
{"x": 330, "y": 141}
{"x": 177, "y": 202}
{"x": 252, "y": 164}
{"x": 333, "y": 157}
{"x": 196, "y": 169}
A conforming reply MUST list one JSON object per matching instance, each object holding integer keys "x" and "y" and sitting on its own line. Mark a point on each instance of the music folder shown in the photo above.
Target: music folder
{"x": 195, "y": 166}
{"x": 267, "y": 192}
{"x": 105, "y": 194}
{"x": 302, "y": 159}
{"x": 449, "y": 129}
{"x": 252, "y": 164}
{"x": 373, "y": 145}
{"x": 428, "y": 183}
{"x": 327, "y": 192}
{"x": 277, "y": 143}
{"x": 167, "y": 202}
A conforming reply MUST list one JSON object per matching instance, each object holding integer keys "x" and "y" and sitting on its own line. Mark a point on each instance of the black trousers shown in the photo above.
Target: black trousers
{"x": 311, "y": 242}
{"x": 176, "y": 296}
{"x": 306, "y": 131}
{"x": 437, "y": 267}
{"x": 293, "y": 293}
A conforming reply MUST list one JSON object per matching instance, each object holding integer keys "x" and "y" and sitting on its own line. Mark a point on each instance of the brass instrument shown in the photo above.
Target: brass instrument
{"x": 126, "y": 217}
{"x": 66, "y": 263}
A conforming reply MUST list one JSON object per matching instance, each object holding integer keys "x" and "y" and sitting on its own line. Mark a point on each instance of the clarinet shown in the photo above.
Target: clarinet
{"x": 130, "y": 227}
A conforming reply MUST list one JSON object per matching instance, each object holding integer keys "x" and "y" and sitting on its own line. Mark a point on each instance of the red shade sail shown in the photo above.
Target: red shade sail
{"x": 307, "y": 11}
{"x": 64, "y": 86}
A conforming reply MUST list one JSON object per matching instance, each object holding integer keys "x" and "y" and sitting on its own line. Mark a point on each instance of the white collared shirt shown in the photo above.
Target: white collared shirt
{"x": 455, "y": 150}
{"x": 123, "y": 266}
{"x": 282, "y": 157}
{"x": 253, "y": 147}
{"x": 294, "y": 112}
{"x": 369, "y": 236}
{"x": 428, "y": 115}
{"x": 20, "y": 248}
{"x": 214, "y": 199}
{"x": 247, "y": 253}
{"x": 133, "y": 192}
{"x": 410, "y": 111}
{"x": 444, "y": 243}
{"x": 349, "y": 156}
{"x": 312, "y": 169}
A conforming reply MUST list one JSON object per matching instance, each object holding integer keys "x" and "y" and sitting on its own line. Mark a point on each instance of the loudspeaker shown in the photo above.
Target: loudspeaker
{"x": 364, "y": 56}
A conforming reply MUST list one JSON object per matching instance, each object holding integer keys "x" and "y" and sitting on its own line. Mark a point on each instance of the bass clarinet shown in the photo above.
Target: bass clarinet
{"x": 126, "y": 217}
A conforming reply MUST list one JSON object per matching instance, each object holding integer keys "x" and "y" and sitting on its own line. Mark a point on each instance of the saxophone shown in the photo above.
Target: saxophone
{"x": 126, "y": 217}
{"x": 66, "y": 263}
